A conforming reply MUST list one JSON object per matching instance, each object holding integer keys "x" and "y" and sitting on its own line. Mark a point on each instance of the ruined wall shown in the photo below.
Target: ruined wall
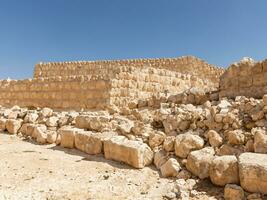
{"x": 246, "y": 78}
{"x": 71, "y": 92}
{"x": 97, "y": 84}
{"x": 185, "y": 65}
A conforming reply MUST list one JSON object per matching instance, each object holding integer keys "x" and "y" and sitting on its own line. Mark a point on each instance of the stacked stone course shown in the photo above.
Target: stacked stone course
{"x": 98, "y": 84}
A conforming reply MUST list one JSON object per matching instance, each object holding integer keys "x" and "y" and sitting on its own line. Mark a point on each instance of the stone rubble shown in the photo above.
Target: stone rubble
{"x": 221, "y": 140}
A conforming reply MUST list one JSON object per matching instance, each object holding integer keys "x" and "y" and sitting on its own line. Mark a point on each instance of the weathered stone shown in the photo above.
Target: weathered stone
{"x": 46, "y": 112}
{"x": 260, "y": 141}
{"x": 224, "y": 170}
{"x": 67, "y": 135}
{"x": 52, "y": 121}
{"x": 31, "y": 118}
{"x": 253, "y": 172}
{"x": 160, "y": 157}
{"x": 36, "y": 129}
{"x": 156, "y": 138}
{"x": 124, "y": 125}
{"x": 13, "y": 125}
{"x": 198, "y": 162}
{"x": 236, "y": 137}
{"x": 51, "y": 137}
{"x": 168, "y": 144}
{"x": 215, "y": 139}
{"x": 91, "y": 143}
{"x": 185, "y": 143}
{"x": 170, "y": 168}
{"x": 41, "y": 136}
{"x": 134, "y": 153}
{"x": 2, "y": 124}
{"x": 233, "y": 192}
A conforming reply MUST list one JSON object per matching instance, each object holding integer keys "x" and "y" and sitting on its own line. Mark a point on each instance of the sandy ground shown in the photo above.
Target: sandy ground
{"x": 31, "y": 171}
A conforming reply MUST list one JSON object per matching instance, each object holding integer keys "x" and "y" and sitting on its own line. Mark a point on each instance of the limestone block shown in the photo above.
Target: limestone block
{"x": 253, "y": 172}
{"x": 2, "y": 124}
{"x": 91, "y": 143}
{"x": 134, "y": 153}
{"x": 13, "y": 125}
{"x": 170, "y": 168}
{"x": 215, "y": 139}
{"x": 31, "y": 118}
{"x": 67, "y": 135}
{"x": 52, "y": 121}
{"x": 236, "y": 137}
{"x": 37, "y": 130}
{"x": 168, "y": 144}
{"x": 260, "y": 141}
{"x": 156, "y": 138}
{"x": 160, "y": 157}
{"x": 185, "y": 143}
{"x": 51, "y": 136}
{"x": 224, "y": 170}
{"x": 46, "y": 112}
{"x": 198, "y": 162}
{"x": 233, "y": 192}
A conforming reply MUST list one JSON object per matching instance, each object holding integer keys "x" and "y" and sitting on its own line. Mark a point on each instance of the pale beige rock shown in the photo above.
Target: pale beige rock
{"x": 30, "y": 129}
{"x": 46, "y": 112}
{"x": 2, "y": 124}
{"x": 215, "y": 139}
{"x": 198, "y": 162}
{"x": 260, "y": 141}
{"x": 224, "y": 170}
{"x": 168, "y": 144}
{"x": 52, "y": 121}
{"x": 134, "y": 153}
{"x": 36, "y": 129}
{"x": 156, "y": 138}
{"x": 236, "y": 137}
{"x": 41, "y": 136}
{"x": 51, "y": 136}
{"x": 91, "y": 143}
{"x": 67, "y": 135}
{"x": 31, "y": 118}
{"x": 13, "y": 115}
{"x": 13, "y": 125}
{"x": 253, "y": 172}
{"x": 160, "y": 157}
{"x": 233, "y": 192}
{"x": 170, "y": 168}
{"x": 185, "y": 143}
{"x": 124, "y": 125}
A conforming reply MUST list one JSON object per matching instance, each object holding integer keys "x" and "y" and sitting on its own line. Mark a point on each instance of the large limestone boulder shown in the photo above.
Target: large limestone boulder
{"x": 51, "y": 136}
{"x": 13, "y": 125}
{"x": 260, "y": 141}
{"x": 134, "y": 153}
{"x": 41, "y": 136}
{"x": 2, "y": 124}
{"x": 236, "y": 137}
{"x": 67, "y": 135}
{"x": 198, "y": 162}
{"x": 185, "y": 143}
{"x": 253, "y": 172}
{"x": 91, "y": 143}
{"x": 37, "y": 130}
{"x": 224, "y": 170}
{"x": 160, "y": 157}
{"x": 31, "y": 117}
{"x": 215, "y": 139}
{"x": 170, "y": 168}
{"x": 233, "y": 192}
{"x": 92, "y": 122}
{"x": 46, "y": 112}
{"x": 52, "y": 121}
{"x": 156, "y": 138}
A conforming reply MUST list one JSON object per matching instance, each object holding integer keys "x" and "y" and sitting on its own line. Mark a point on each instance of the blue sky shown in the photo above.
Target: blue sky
{"x": 217, "y": 31}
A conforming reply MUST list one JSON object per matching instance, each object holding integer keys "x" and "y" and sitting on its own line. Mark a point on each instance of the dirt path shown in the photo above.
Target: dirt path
{"x": 30, "y": 171}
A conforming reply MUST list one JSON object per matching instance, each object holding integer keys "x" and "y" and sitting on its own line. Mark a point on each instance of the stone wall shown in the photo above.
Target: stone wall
{"x": 63, "y": 93}
{"x": 246, "y": 78}
{"x": 97, "y": 84}
{"x": 185, "y": 65}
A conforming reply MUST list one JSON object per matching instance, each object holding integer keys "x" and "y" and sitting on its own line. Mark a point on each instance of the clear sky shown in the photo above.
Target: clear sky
{"x": 218, "y": 31}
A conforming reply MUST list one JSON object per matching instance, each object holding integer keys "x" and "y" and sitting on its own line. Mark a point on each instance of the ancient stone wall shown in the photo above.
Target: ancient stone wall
{"x": 97, "y": 84}
{"x": 64, "y": 93}
{"x": 246, "y": 78}
{"x": 185, "y": 65}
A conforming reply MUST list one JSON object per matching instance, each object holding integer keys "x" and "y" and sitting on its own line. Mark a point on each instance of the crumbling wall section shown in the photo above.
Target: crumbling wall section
{"x": 185, "y": 65}
{"x": 246, "y": 78}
